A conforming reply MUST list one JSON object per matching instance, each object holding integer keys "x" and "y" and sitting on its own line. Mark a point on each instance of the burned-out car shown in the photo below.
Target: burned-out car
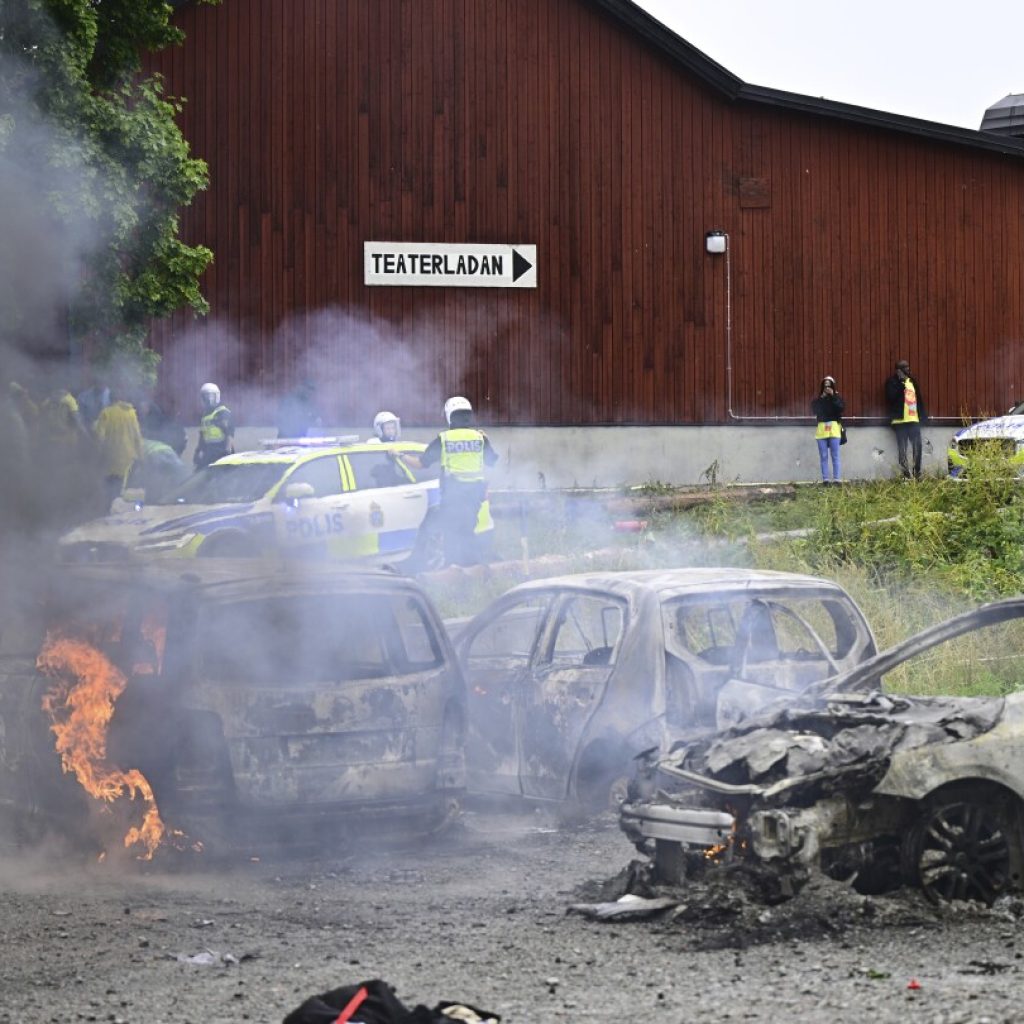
{"x": 241, "y": 702}
{"x": 858, "y": 781}
{"x": 569, "y": 678}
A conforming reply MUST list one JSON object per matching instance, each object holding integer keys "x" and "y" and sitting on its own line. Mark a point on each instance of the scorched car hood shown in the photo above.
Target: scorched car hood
{"x": 844, "y": 725}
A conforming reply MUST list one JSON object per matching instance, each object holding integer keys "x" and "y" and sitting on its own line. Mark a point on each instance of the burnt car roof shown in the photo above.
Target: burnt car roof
{"x": 233, "y": 578}
{"x": 667, "y": 583}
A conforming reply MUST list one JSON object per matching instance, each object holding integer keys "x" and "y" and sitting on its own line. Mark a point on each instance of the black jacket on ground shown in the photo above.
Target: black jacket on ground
{"x": 380, "y": 1005}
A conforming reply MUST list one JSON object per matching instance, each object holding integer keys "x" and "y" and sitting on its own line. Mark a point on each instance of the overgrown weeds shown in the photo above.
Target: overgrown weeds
{"x": 911, "y": 554}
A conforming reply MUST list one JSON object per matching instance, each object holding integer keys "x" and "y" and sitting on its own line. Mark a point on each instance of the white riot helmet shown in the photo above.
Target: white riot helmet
{"x": 380, "y": 424}
{"x": 456, "y": 404}
{"x": 210, "y": 394}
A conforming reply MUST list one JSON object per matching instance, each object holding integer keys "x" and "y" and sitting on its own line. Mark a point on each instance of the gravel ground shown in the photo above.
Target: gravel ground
{"x": 480, "y": 916}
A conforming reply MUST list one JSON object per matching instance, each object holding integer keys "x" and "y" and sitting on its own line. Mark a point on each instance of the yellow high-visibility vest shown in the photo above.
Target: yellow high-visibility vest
{"x": 462, "y": 454}
{"x": 910, "y": 414}
{"x": 209, "y": 430}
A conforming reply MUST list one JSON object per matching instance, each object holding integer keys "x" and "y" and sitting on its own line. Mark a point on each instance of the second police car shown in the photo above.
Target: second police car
{"x": 1003, "y": 434}
{"x": 335, "y": 498}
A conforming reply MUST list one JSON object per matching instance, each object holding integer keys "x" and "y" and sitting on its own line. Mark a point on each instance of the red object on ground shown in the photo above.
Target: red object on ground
{"x": 630, "y": 525}
{"x": 352, "y": 1005}
{"x": 914, "y": 984}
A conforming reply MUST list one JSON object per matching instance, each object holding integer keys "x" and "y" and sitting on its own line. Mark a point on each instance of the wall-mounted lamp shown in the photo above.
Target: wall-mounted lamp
{"x": 716, "y": 241}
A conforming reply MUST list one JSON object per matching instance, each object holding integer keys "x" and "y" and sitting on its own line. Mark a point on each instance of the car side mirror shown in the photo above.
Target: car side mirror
{"x": 294, "y": 493}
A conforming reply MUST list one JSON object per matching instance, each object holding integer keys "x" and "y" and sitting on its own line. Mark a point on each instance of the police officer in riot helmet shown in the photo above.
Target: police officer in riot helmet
{"x": 216, "y": 429}
{"x": 463, "y": 452}
{"x": 387, "y": 427}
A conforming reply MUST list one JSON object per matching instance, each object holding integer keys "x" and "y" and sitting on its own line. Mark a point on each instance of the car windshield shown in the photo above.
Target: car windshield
{"x": 225, "y": 483}
{"x": 718, "y": 629}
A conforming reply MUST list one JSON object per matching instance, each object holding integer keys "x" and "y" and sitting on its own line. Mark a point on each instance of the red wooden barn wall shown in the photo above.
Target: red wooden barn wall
{"x": 327, "y": 123}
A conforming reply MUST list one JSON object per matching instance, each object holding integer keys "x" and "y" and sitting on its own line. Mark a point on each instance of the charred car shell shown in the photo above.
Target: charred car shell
{"x": 260, "y": 703}
{"x": 880, "y": 788}
{"x": 569, "y": 678}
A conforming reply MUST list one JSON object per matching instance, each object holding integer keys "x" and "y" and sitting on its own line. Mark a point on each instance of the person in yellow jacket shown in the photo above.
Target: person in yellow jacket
{"x": 464, "y": 452}
{"x": 119, "y": 443}
{"x": 905, "y": 406}
{"x": 828, "y": 412}
{"x": 60, "y": 424}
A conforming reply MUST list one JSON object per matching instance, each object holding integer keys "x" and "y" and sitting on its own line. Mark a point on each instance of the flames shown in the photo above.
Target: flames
{"x": 80, "y": 704}
{"x": 724, "y": 850}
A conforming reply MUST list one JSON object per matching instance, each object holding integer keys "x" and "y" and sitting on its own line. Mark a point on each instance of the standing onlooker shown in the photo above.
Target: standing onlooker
{"x": 215, "y": 428}
{"x": 64, "y": 460}
{"x": 905, "y": 405}
{"x": 119, "y": 443}
{"x": 828, "y": 411}
{"x": 60, "y": 424}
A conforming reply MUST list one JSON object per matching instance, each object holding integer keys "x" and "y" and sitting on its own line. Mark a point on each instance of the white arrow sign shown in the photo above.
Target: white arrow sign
{"x": 450, "y": 266}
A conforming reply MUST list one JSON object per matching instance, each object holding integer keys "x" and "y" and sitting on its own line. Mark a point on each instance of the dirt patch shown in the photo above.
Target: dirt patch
{"x": 479, "y": 917}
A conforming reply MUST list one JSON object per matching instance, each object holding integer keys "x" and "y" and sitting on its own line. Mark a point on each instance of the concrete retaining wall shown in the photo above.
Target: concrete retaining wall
{"x": 559, "y": 457}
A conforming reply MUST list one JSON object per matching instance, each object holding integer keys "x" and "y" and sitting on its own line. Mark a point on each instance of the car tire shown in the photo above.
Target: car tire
{"x": 601, "y": 782}
{"x": 965, "y": 845}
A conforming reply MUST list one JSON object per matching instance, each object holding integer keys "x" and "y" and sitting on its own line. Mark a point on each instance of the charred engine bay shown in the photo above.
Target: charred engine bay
{"x": 481, "y": 916}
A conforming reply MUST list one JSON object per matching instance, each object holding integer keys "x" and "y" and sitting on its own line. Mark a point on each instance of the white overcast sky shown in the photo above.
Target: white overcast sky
{"x": 939, "y": 60}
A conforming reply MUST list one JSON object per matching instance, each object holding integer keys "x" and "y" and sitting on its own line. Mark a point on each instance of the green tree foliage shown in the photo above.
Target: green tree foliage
{"x": 99, "y": 152}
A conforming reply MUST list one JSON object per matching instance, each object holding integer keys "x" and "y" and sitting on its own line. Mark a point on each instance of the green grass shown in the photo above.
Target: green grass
{"x": 911, "y": 554}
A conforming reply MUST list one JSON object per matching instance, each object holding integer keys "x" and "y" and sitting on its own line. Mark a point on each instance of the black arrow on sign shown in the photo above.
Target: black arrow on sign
{"x": 520, "y": 265}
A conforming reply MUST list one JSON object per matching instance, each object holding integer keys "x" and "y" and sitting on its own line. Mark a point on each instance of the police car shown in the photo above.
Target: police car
{"x": 1002, "y": 434}
{"x": 335, "y": 498}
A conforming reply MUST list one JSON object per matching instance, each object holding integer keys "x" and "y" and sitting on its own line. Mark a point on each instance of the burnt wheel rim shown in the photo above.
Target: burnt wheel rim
{"x": 964, "y": 853}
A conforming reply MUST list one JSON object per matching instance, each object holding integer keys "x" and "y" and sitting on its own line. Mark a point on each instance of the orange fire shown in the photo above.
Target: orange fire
{"x": 80, "y": 705}
{"x": 722, "y": 849}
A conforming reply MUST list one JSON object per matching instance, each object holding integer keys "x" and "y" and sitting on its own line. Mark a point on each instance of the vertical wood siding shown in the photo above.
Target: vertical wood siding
{"x": 327, "y": 123}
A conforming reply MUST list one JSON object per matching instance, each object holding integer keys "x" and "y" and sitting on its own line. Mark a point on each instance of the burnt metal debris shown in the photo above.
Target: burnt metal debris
{"x": 872, "y": 788}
